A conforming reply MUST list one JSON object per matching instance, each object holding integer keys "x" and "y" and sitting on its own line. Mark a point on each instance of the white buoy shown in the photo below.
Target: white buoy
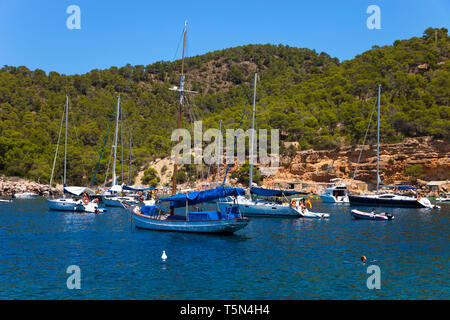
{"x": 164, "y": 256}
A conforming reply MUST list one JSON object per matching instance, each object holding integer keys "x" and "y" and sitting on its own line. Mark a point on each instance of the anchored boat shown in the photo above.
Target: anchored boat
{"x": 371, "y": 216}
{"x": 389, "y": 199}
{"x": 25, "y": 195}
{"x": 155, "y": 217}
{"x": 261, "y": 207}
{"x": 335, "y": 194}
{"x": 68, "y": 203}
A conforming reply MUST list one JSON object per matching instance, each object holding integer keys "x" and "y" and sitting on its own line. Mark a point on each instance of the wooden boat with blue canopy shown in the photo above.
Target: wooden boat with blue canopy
{"x": 228, "y": 220}
{"x": 153, "y": 217}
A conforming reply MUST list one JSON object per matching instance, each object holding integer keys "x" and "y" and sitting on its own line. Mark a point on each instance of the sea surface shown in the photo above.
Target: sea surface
{"x": 272, "y": 258}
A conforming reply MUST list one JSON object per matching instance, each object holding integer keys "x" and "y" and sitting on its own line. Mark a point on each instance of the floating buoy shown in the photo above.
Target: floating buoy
{"x": 363, "y": 259}
{"x": 164, "y": 256}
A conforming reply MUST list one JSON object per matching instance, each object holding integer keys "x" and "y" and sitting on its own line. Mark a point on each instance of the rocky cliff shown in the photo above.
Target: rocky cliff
{"x": 432, "y": 156}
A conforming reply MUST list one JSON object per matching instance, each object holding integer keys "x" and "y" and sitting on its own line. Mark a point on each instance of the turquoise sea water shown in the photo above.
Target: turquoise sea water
{"x": 273, "y": 258}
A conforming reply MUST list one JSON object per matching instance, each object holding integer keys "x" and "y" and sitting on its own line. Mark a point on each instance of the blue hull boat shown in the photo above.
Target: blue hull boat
{"x": 228, "y": 220}
{"x": 179, "y": 223}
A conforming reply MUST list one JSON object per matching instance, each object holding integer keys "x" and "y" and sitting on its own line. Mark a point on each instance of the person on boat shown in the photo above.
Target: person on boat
{"x": 303, "y": 204}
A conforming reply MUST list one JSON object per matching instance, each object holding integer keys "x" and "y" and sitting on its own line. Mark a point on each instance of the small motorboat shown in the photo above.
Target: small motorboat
{"x": 5, "y": 200}
{"x": 444, "y": 198}
{"x": 371, "y": 215}
{"x": 25, "y": 195}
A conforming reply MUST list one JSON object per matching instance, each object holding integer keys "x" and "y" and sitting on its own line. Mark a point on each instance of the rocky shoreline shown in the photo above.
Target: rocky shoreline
{"x": 13, "y": 185}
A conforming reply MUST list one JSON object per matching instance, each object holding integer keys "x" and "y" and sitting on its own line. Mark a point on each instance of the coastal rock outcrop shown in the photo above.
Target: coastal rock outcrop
{"x": 13, "y": 185}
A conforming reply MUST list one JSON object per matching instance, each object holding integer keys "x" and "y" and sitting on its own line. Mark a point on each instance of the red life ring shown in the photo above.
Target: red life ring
{"x": 96, "y": 200}
{"x": 293, "y": 203}
{"x": 141, "y": 198}
{"x": 85, "y": 200}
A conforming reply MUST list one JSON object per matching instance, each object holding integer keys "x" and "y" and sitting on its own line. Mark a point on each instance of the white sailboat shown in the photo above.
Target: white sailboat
{"x": 68, "y": 203}
{"x": 260, "y": 207}
{"x": 113, "y": 198}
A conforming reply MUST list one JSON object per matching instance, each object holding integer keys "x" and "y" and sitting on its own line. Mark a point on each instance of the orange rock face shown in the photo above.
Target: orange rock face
{"x": 321, "y": 166}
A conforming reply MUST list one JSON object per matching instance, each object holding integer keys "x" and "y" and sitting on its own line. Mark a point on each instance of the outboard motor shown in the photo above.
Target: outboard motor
{"x": 390, "y": 216}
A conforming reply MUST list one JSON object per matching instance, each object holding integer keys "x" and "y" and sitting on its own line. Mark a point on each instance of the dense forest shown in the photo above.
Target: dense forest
{"x": 312, "y": 98}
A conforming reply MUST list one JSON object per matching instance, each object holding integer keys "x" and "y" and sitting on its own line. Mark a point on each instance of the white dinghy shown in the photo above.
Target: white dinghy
{"x": 371, "y": 215}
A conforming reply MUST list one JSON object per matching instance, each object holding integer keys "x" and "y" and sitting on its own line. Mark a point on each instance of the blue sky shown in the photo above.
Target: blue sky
{"x": 114, "y": 33}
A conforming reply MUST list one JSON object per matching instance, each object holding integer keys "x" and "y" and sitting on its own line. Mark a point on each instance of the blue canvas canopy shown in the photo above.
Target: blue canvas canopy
{"x": 272, "y": 192}
{"x": 137, "y": 189}
{"x": 179, "y": 200}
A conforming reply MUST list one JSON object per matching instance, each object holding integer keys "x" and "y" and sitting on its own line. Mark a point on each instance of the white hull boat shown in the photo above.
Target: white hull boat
{"x": 25, "y": 195}
{"x": 335, "y": 194}
{"x": 117, "y": 201}
{"x": 260, "y": 208}
{"x": 313, "y": 215}
{"x": 69, "y": 204}
{"x": 371, "y": 215}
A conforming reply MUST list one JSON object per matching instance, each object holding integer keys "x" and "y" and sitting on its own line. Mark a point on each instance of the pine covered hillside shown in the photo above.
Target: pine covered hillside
{"x": 312, "y": 98}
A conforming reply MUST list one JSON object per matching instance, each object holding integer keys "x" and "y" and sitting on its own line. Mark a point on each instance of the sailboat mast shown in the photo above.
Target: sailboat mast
{"x": 220, "y": 149}
{"x": 57, "y": 145}
{"x": 378, "y": 140}
{"x": 175, "y": 167}
{"x": 121, "y": 144}
{"x": 114, "y": 179}
{"x": 129, "y": 166}
{"x": 253, "y": 134}
{"x": 65, "y": 140}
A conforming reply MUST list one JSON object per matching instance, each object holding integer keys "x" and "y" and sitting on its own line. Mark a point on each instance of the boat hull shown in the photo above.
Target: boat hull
{"x": 63, "y": 205}
{"x": 326, "y": 198}
{"x": 218, "y": 226}
{"x": 313, "y": 215}
{"x": 116, "y": 202}
{"x": 25, "y": 196}
{"x": 377, "y": 202}
{"x": 70, "y": 205}
{"x": 262, "y": 210}
{"x": 369, "y": 216}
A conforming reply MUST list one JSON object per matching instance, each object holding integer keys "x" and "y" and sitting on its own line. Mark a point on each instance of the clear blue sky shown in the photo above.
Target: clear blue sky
{"x": 114, "y": 33}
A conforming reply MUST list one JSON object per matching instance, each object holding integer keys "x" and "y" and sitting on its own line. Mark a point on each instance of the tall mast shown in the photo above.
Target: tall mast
{"x": 57, "y": 145}
{"x": 378, "y": 140}
{"x": 65, "y": 140}
{"x": 129, "y": 166}
{"x": 218, "y": 153}
{"x": 253, "y": 134}
{"x": 114, "y": 179}
{"x": 175, "y": 167}
{"x": 121, "y": 144}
